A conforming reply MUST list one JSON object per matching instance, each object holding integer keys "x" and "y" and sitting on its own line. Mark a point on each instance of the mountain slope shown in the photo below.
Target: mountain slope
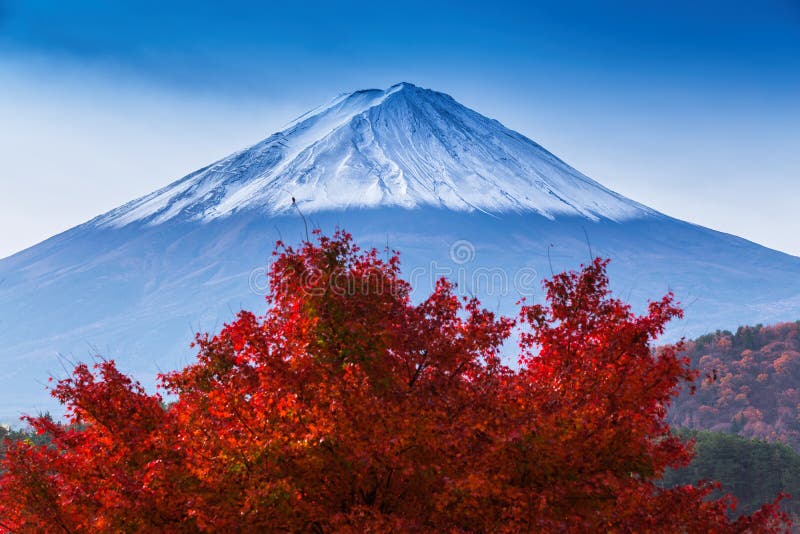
{"x": 460, "y": 195}
{"x": 405, "y": 147}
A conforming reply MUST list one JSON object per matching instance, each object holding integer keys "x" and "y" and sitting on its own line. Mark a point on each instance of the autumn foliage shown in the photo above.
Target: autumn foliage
{"x": 756, "y": 393}
{"x": 348, "y": 408}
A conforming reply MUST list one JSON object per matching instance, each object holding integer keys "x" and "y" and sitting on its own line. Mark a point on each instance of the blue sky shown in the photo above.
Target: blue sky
{"x": 689, "y": 107}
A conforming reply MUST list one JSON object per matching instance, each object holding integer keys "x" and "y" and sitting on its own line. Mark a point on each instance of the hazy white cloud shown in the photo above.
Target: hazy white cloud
{"x": 724, "y": 159}
{"x": 73, "y": 146}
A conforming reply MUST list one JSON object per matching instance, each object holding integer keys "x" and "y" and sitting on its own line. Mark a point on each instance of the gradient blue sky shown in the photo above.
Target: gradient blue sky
{"x": 690, "y": 107}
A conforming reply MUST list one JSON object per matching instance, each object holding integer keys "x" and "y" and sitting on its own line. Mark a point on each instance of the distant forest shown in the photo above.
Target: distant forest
{"x": 753, "y": 471}
{"x": 749, "y": 384}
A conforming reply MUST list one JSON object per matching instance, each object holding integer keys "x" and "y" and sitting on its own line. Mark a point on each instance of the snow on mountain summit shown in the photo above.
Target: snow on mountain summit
{"x": 401, "y": 147}
{"x": 404, "y": 167}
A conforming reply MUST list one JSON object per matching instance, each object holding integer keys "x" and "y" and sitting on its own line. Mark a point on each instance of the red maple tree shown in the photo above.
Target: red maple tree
{"x": 348, "y": 408}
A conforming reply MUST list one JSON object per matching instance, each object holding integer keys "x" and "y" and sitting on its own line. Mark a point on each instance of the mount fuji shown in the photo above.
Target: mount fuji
{"x": 409, "y": 168}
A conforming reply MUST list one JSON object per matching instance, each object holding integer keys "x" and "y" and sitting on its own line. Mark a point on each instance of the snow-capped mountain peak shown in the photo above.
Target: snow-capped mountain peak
{"x": 401, "y": 147}
{"x": 405, "y": 168}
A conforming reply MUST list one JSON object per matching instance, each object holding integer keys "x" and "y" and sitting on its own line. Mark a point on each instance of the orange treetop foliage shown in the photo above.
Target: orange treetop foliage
{"x": 347, "y": 408}
{"x": 757, "y": 388}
